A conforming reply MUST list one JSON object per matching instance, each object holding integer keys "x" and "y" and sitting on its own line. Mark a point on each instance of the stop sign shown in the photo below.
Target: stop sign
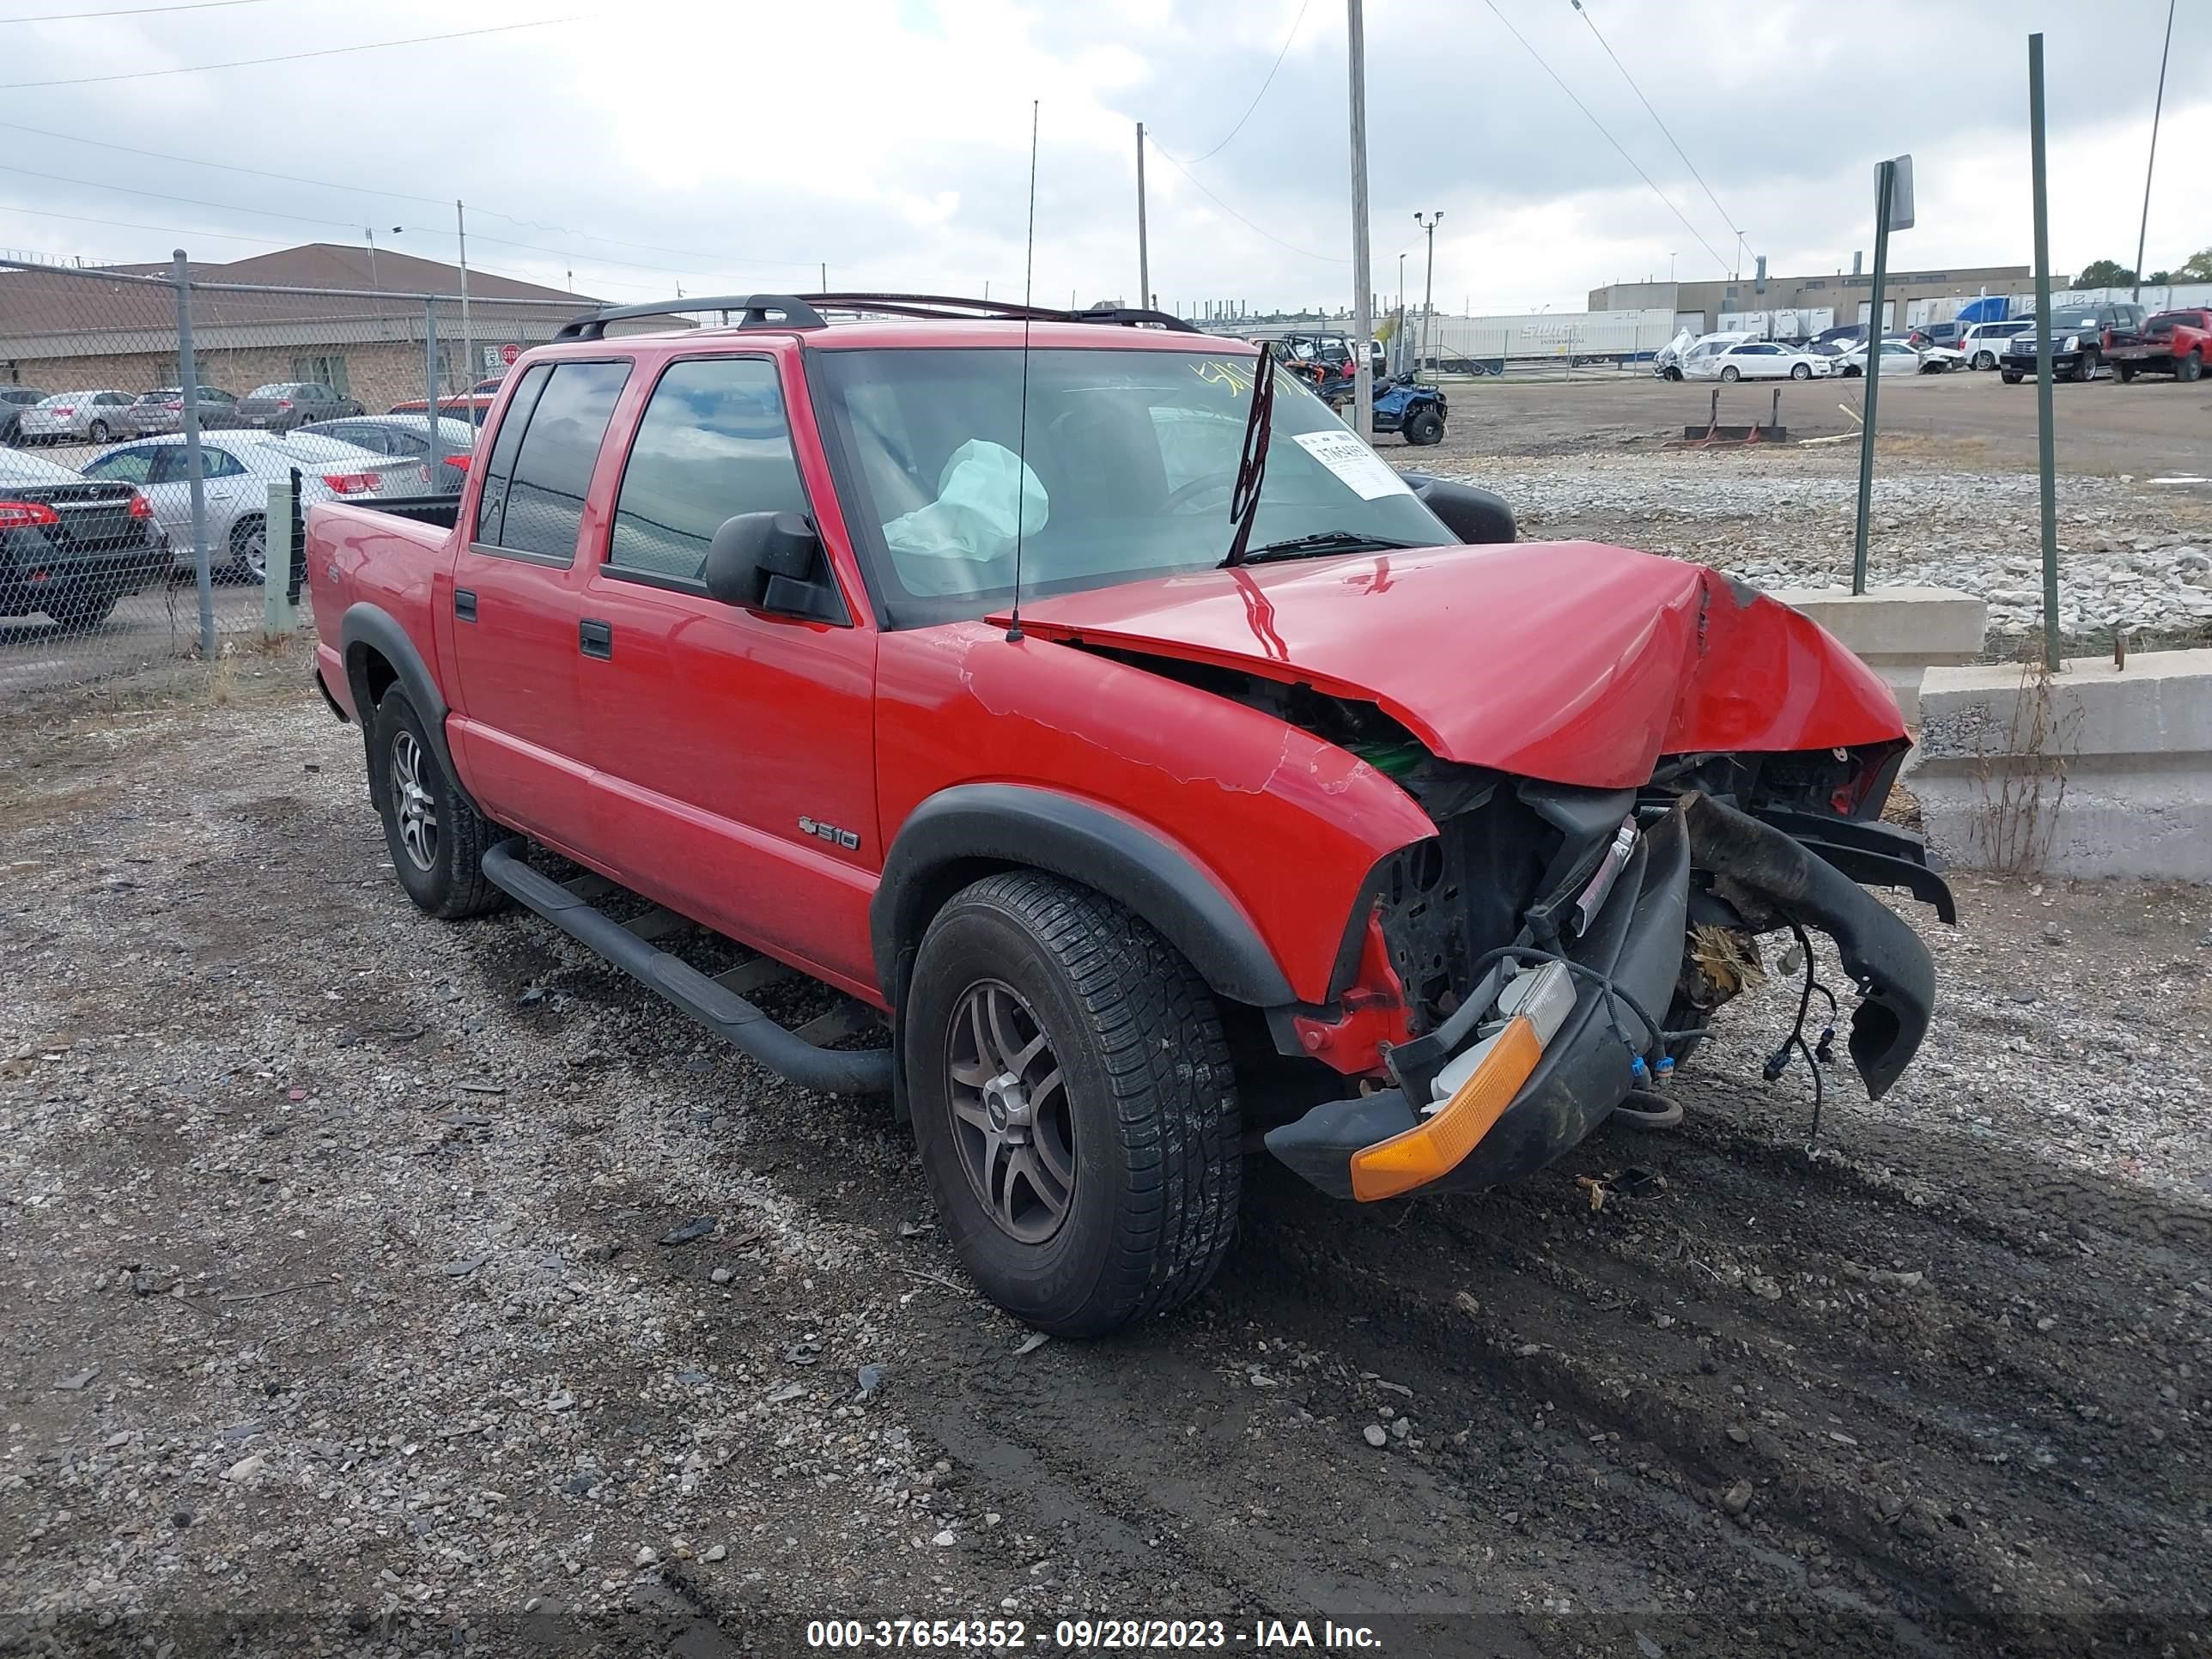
{"x": 509, "y": 353}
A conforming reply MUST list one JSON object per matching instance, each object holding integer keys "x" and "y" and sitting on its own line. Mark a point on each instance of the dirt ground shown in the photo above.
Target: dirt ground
{"x": 342, "y": 1310}
{"x": 2152, "y": 426}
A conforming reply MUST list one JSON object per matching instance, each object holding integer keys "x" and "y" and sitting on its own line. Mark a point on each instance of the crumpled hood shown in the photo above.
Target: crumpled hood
{"x": 1570, "y": 661}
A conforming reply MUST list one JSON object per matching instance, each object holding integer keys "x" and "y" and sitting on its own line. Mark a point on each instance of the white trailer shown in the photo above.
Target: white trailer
{"x": 1561, "y": 337}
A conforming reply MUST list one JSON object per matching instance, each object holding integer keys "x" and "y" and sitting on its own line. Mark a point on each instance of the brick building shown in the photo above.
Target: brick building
{"x": 67, "y": 330}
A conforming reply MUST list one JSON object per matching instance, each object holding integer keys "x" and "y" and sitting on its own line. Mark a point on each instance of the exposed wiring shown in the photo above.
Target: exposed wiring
{"x": 1607, "y": 136}
{"x": 1257, "y": 96}
{"x": 1779, "y": 1061}
{"x": 290, "y": 57}
{"x": 1584, "y": 971}
{"x": 1326, "y": 258}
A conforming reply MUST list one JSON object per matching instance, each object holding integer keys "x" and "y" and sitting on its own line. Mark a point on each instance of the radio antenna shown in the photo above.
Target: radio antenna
{"x": 1022, "y": 442}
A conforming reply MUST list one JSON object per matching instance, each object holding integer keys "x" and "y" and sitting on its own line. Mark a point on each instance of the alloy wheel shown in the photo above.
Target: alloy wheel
{"x": 1012, "y": 1123}
{"x": 412, "y": 804}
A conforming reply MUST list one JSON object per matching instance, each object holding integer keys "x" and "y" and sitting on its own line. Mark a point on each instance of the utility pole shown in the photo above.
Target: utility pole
{"x": 369, "y": 231}
{"x": 1363, "y": 372}
{"x": 2046, "y": 459}
{"x": 1398, "y": 344}
{"x": 1429, "y": 287}
{"x": 468, "y": 340}
{"x": 823, "y": 268}
{"x": 2143, "y": 230}
{"x": 1143, "y": 255}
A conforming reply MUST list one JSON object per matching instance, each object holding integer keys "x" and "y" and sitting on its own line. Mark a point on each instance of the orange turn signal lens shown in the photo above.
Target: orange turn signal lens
{"x": 1440, "y": 1141}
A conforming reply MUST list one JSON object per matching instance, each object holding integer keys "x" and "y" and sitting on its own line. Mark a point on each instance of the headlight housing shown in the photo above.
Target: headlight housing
{"x": 2073, "y": 342}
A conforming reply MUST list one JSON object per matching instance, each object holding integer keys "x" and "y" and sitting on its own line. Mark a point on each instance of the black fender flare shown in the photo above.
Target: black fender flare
{"x": 366, "y": 627}
{"x": 1007, "y": 824}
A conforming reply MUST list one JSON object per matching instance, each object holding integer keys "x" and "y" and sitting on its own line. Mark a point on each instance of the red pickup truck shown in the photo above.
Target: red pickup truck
{"x": 2176, "y": 343}
{"x": 1160, "y": 775}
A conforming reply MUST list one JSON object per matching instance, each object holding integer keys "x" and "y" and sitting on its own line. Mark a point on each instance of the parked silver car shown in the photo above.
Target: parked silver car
{"x": 407, "y": 438}
{"x": 77, "y": 416}
{"x": 163, "y": 411}
{"x": 237, "y": 468}
{"x": 13, "y": 400}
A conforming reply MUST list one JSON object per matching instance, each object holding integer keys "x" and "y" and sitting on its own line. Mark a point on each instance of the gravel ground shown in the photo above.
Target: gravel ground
{"x": 2130, "y": 557}
{"x": 345, "y": 1309}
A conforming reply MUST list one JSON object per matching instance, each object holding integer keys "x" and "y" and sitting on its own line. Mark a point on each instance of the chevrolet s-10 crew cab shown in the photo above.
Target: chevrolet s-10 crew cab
{"x": 1158, "y": 772}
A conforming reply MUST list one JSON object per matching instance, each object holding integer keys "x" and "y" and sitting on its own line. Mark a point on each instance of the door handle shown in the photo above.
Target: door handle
{"x": 465, "y": 604}
{"x": 595, "y": 638}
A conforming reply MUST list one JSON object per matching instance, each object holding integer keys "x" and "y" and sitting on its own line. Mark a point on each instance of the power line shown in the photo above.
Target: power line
{"x": 288, "y": 57}
{"x": 1601, "y": 126}
{"x": 1325, "y": 258}
{"x": 390, "y": 195}
{"x": 130, "y": 11}
{"x": 1727, "y": 218}
{"x": 1264, "y": 85}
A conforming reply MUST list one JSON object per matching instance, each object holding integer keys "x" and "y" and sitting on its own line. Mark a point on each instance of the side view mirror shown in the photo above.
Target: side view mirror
{"x": 773, "y": 561}
{"x": 1475, "y": 516}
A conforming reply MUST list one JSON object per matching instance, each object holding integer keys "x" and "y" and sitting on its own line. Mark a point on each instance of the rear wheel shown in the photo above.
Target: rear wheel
{"x": 1074, "y": 1105}
{"x": 1731, "y": 374}
{"x": 436, "y": 839}
{"x": 2126, "y": 371}
{"x": 1985, "y": 359}
{"x": 2190, "y": 367}
{"x": 82, "y": 611}
{"x": 1425, "y": 427}
{"x": 97, "y": 432}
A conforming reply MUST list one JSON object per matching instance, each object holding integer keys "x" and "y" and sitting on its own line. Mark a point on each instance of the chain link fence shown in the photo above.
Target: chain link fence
{"x": 146, "y": 413}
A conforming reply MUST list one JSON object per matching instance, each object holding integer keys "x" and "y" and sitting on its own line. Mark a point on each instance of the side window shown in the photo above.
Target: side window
{"x": 553, "y": 468}
{"x": 214, "y": 463}
{"x": 134, "y": 466}
{"x": 491, "y": 506}
{"x": 715, "y": 442}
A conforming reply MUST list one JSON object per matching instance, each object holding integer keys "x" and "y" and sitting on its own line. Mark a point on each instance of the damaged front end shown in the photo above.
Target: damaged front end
{"x": 1530, "y": 1024}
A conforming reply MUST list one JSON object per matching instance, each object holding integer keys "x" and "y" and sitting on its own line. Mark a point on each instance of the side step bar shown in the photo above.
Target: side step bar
{"x": 714, "y": 1005}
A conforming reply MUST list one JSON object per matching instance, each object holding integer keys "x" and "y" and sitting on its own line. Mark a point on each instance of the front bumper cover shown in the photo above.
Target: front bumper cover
{"x": 1637, "y": 940}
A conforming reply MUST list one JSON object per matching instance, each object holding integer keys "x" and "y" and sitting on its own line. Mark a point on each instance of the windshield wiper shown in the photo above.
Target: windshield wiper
{"x": 1252, "y": 459}
{"x": 1322, "y": 541}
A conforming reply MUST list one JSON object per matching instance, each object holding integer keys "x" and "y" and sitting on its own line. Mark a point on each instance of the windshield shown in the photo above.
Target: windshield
{"x": 1131, "y": 458}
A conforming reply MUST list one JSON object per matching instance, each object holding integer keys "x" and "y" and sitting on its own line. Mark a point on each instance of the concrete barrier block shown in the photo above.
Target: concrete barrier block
{"x": 1898, "y": 632}
{"x": 2095, "y": 771}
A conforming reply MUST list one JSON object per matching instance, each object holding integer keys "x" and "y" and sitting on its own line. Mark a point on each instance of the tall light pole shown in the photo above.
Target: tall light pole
{"x": 1143, "y": 255}
{"x": 1428, "y": 290}
{"x": 1398, "y": 344}
{"x": 2143, "y": 230}
{"x": 1363, "y": 299}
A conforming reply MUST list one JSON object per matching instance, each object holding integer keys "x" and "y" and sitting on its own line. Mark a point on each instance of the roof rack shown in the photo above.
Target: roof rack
{"x": 760, "y": 311}
{"x": 800, "y": 311}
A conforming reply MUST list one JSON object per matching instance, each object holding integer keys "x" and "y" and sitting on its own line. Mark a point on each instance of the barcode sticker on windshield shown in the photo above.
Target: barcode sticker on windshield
{"x": 1367, "y": 474}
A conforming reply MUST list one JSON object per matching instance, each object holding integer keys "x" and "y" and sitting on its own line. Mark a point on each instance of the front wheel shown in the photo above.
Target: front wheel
{"x": 1074, "y": 1105}
{"x": 435, "y": 837}
{"x": 2012, "y": 377}
{"x": 2084, "y": 366}
{"x": 249, "y": 549}
{"x": 1801, "y": 371}
{"x": 1425, "y": 427}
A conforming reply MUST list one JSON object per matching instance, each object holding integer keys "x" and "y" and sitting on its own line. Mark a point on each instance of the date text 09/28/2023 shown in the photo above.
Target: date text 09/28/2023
{"x": 1092, "y": 1635}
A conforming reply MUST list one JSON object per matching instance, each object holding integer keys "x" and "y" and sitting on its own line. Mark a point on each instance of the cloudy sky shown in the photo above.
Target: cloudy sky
{"x": 728, "y": 146}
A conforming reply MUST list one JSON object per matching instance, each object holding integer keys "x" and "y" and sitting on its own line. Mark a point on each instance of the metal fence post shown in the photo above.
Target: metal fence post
{"x": 188, "y": 379}
{"x": 430, "y": 385}
{"x": 279, "y": 616}
{"x": 1887, "y": 186}
{"x": 2045, "y": 459}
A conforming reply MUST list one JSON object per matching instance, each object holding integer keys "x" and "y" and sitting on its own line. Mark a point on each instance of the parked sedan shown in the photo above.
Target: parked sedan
{"x": 163, "y": 411}
{"x": 1755, "y": 359}
{"x": 237, "y": 468}
{"x": 82, "y": 416}
{"x": 284, "y": 405}
{"x": 407, "y": 437}
{"x": 13, "y": 400}
{"x": 70, "y": 546}
{"x": 1898, "y": 358}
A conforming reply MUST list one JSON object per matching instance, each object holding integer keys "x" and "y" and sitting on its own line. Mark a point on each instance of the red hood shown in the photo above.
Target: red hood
{"x": 1568, "y": 661}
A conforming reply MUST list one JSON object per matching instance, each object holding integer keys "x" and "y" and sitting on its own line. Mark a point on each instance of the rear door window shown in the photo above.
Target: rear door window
{"x": 715, "y": 442}
{"x": 491, "y": 505}
{"x": 552, "y": 467}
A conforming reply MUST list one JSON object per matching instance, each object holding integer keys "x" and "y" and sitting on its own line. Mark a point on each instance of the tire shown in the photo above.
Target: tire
{"x": 1425, "y": 427}
{"x": 1674, "y": 374}
{"x": 436, "y": 839}
{"x": 98, "y": 433}
{"x": 1144, "y": 1122}
{"x": 2189, "y": 369}
{"x": 2084, "y": 366}
{"x": 1730, "y": 374}
{"x": 2012, "y": 377}
{"x": 1985, "y": 359}
{"x": 249, "y": 548}
{"x": 2126, "y": 371}
{"x": 1801, "y": 371}
{"x": 82, "y": 613}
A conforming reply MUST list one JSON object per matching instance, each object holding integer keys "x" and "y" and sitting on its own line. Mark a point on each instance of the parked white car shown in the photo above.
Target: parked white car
{"x": 1755, "y": 359}
{"x": 1897, "y": 357}
{"x": 1675, "y": 363}
{"x": 1983, "y": 343}
{"x": 77, "y": 418}
{"x": 237, "y": 468}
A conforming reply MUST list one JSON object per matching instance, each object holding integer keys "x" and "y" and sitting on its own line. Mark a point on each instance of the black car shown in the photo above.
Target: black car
{"x": 70, "y": 546}
{"x": 13, "y": 400}
{"x": 2079, "y": 335}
